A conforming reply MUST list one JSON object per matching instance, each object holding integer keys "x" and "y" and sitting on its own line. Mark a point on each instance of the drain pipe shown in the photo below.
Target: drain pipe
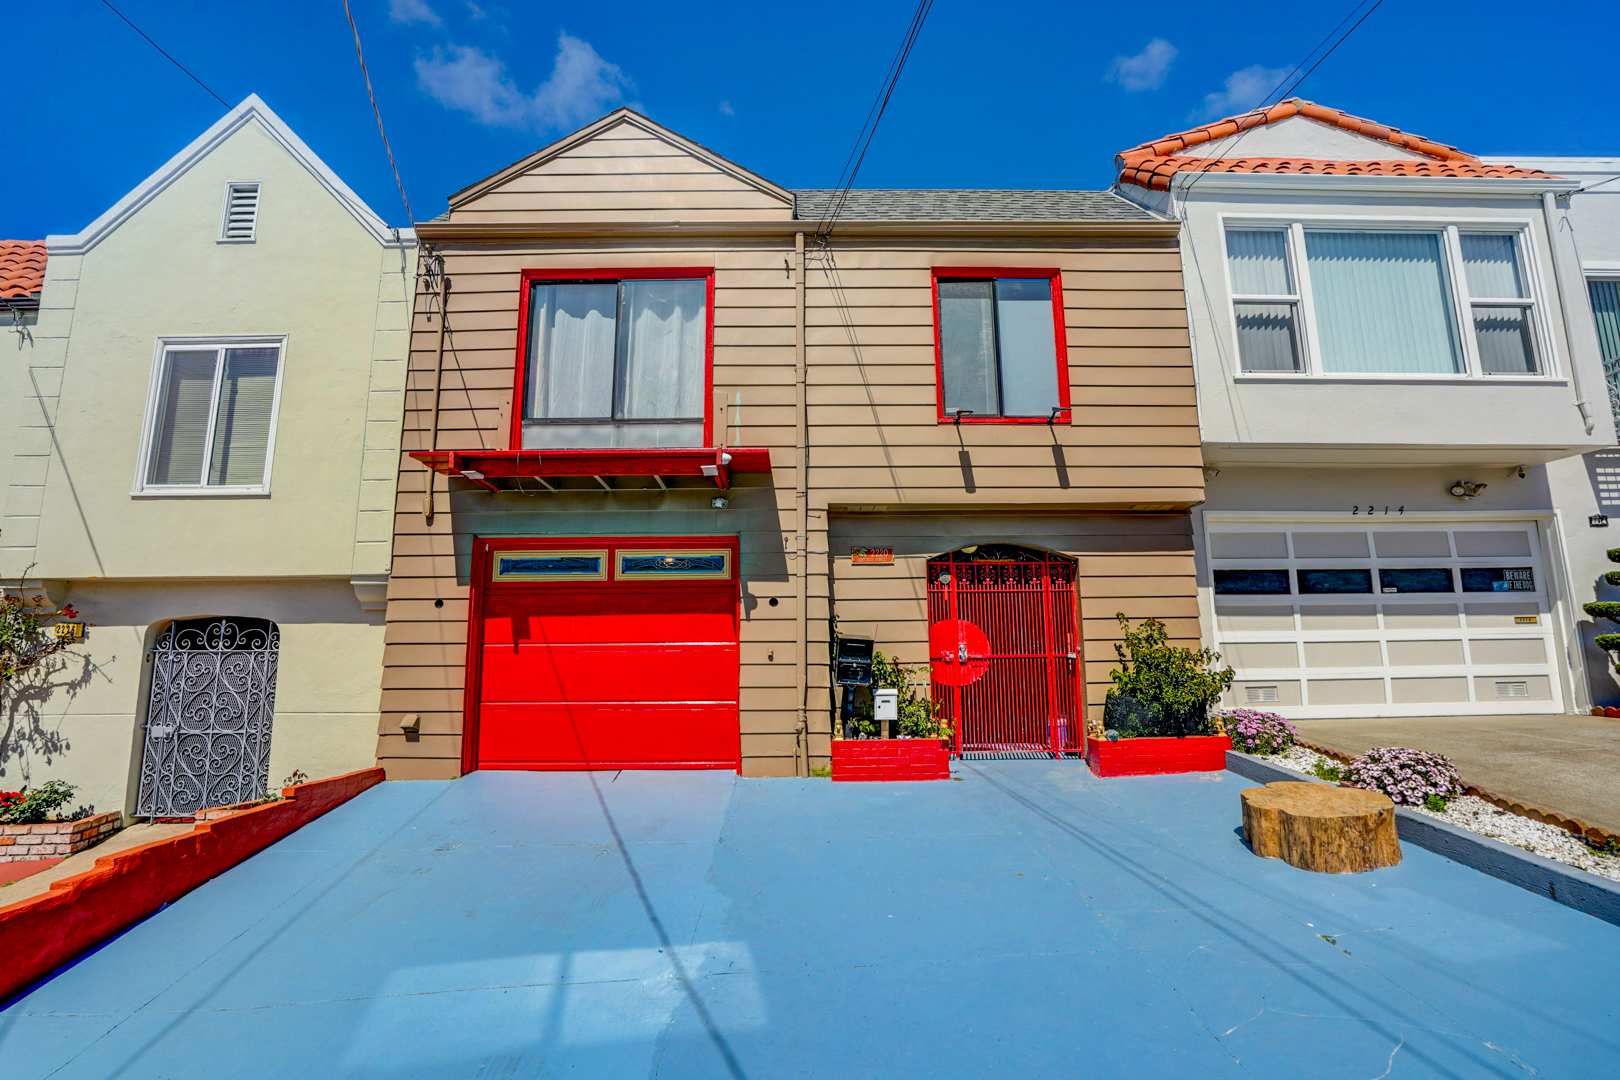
{"x": 1549, "y": 210}
{"x": 438, "y": 375}
{"x": 801, "y": 510}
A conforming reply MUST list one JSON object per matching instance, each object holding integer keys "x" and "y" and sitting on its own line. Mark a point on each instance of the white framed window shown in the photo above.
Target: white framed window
{"x": 1353, "y": 300}
{"x": 211, "y": 416}
{"x": 239, "y": 220}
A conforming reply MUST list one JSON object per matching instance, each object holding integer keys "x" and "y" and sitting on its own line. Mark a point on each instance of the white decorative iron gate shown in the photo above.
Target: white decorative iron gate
{"x": 208, "y": 719}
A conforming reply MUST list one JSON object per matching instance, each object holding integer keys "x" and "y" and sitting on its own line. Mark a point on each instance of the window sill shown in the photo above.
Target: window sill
{"x": 1061, "y": 418}
{"x": 236, "y": 240}
{"x": 1453, "y": 380}
{"x": 255, "y": 492}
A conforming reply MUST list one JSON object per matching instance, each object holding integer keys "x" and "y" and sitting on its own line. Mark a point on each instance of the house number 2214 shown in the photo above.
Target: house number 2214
{"x": 1375, "y": 510}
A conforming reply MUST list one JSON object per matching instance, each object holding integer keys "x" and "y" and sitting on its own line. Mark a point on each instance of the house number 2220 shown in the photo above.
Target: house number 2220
{"x": 1375, "y": 510}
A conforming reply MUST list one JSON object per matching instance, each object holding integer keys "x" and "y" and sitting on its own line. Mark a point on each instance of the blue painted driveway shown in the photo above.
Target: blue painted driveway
{"x": 1028, "y": 920}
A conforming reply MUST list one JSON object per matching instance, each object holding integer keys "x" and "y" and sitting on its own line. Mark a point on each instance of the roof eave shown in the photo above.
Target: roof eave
{"x": 495, "y": 231}
{"x": 1509, "y": 186}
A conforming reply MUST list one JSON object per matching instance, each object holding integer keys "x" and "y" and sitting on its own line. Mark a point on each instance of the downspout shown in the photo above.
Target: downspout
{"x": 438, "y": 374}
{"x": 1549, "y": 209}
{"x": 801, "y": 509}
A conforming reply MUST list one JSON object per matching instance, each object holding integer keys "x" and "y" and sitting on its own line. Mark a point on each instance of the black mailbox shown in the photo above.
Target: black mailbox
{"x": 854, "y": 661}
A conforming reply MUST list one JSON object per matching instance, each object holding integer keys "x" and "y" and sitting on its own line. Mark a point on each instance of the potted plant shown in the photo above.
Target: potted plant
{"x": 918, "y": 750}
{"x": 1157, "y": 718}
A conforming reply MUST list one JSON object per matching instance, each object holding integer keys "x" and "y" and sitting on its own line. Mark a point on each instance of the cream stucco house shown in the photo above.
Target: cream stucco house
{"x": 204, "y": 466}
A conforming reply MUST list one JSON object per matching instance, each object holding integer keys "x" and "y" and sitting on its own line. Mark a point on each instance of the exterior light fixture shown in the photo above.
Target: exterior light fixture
{"x": 719, "y": 502}
{"x": 1466, "y": 490}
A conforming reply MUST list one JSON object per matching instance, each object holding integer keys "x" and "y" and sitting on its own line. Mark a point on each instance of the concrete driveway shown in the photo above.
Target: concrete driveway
{"x": 1028, "y": 920}
{"x": 1570, "y": 764}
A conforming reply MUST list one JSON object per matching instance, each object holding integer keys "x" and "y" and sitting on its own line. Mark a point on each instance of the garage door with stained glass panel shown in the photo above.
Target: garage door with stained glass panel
{"x": 1321, "y": 621}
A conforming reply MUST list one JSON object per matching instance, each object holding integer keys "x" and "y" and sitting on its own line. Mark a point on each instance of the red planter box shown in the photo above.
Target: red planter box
{"x": 890, "y": 759}
{"x": 1155, "y": 757}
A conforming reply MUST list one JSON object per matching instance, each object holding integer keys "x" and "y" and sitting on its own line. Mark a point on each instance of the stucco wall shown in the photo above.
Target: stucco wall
{"x": 1326, "y": 420}
{"x": 87, "y": 729}
{"x": 313, "y": 274}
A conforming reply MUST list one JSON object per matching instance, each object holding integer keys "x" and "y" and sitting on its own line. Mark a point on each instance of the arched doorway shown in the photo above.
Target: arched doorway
{"x": 207, "y": 739}
{"x": 1005, "y": 648}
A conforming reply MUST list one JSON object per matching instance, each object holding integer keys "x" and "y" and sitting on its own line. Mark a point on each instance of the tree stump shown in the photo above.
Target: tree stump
{"x": 1331, "y": 830}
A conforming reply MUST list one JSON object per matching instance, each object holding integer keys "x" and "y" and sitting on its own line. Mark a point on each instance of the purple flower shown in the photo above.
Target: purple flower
{"x": 1255, "y": 732}
{"x": 1406, "y": 776}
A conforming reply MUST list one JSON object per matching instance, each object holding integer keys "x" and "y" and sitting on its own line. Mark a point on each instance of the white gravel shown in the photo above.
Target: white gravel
{"x": 1476, "y": 815}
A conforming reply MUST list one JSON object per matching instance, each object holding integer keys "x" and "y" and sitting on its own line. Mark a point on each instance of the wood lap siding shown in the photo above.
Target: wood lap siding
{"x": 876, "y": 443}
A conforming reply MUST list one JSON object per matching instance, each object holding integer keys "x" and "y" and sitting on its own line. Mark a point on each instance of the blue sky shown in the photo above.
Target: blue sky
{"x": 1039, "y": 94}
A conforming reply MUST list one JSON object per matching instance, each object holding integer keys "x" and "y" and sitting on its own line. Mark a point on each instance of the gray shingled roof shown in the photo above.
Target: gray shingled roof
{"x": 879, "y": 204}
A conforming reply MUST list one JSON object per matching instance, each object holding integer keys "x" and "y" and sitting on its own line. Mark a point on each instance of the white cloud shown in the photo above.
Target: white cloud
{"x": 1147, "y": 69}
{"x": 413, "y": 11}
{"x": 582, "y": 87}
{"x": 475, "y": 11}
{"x": 726, "y": 109}
{"x": 1244, "y": 90}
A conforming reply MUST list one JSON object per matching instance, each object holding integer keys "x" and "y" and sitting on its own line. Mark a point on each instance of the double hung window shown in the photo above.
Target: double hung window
{"x": 1606, "y": 310}
{"x": 213, "y": 417}
{"x": 1351, "y": 301}
{"x": 1001, "y": 356}
{"x": 616, "y": 362}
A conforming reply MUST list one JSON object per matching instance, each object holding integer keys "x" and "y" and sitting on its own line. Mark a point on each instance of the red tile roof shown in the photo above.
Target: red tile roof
{"x": 22, "y": 268}
{"x": 1152, "y": 164}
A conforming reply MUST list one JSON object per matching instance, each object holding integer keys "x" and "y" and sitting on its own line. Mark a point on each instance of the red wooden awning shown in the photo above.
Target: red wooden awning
{"x": 488, "y": 468}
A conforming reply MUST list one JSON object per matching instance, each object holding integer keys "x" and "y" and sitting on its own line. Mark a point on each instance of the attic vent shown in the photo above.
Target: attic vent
{"x": 1517, "y": 688}
{"x": 241, "y": 211}
{"x": 1260, "y": 693}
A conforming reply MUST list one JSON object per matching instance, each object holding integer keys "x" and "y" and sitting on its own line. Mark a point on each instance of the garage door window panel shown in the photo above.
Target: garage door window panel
{"x": 1335, "y": 581}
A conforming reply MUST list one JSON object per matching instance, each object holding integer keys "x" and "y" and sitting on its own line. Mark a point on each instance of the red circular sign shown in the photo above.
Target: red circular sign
{"x": 959, "y": 650}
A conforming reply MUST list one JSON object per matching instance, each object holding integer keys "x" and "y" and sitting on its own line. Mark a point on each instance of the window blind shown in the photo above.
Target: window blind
{"x": 1381, "y": 303}
{"x": 247, "y": 391}
{"x": 188, "y": 384}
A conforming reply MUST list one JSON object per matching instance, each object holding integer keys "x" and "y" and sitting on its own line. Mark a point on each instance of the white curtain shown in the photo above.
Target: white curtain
{"x": 1027, "y": 346}
{"x": 661, "y": 360}
{"x": 247, "y": 391}
{"x": 967, "y": 333}
{"x": 182, "y": 423}
{"x": 1381, "y": 303}
{"x": 571, "y": 335}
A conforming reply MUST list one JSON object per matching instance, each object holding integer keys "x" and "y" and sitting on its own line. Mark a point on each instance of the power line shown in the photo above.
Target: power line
{"x": 371, "y": 94}
{"x": 171, "y": 59}
{"x": 863, "y": 141}
{"x": 1281, "y": 94}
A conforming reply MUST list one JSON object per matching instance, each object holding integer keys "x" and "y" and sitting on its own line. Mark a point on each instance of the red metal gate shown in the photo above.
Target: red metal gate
{"x": 1020, "y": 696}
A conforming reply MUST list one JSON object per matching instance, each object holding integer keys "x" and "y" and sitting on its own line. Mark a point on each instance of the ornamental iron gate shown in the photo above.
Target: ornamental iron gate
{"x": 208, "y": 719}
{"x": 1003, "y": 644}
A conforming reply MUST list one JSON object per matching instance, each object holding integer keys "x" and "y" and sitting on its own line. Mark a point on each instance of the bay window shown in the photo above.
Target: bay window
{"x": 211, "y": 417}
{"x": 1001, "y": 351}
{"x": 616, "y": 360}
{"x": 1342, "y": 301}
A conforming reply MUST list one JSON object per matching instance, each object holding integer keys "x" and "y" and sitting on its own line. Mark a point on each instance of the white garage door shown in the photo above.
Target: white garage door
{"x": 1437, "y": 619}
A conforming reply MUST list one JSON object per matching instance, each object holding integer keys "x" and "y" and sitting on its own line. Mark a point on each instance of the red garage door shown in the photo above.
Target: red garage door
{"x": 606, "y": 655}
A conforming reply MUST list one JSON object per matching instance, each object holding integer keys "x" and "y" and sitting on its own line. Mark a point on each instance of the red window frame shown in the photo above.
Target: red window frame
{"x": 1060, "y": 340}
{"x": 616, "y": 273}
{"x": 479, "y": 584}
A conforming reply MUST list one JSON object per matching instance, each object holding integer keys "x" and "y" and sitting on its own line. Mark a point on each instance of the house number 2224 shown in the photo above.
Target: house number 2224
{"x": 1375, "y": 510}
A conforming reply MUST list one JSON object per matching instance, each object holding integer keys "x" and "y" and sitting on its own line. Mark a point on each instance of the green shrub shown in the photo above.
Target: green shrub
{"x": 1614, "y": 554}
{"x": 1327, "y": 770}
{"x": 1608, "y": 642}
{"x": 1170, "y": 688}
{"x": 1437, "y": 803}
{"x": 1612, "y": 577}
{"x": 1603, "y": 609}
{"x": 919, "y": 717}
{"x": 30, "y": 806}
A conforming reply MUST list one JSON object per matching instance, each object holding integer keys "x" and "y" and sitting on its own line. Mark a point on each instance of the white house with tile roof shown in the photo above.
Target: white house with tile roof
{"x": 1392, "y": 342}
{"x": 204, "y": 467}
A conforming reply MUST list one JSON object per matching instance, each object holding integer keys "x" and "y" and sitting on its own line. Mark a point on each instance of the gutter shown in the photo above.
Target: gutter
{"x": 486, "y": 231}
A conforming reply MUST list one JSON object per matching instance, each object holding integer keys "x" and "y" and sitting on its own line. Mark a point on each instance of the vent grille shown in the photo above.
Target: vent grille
{"x": 1260, "y": 693}
{"x": 241, "y": 211}
{"x": 1518, "y": 688}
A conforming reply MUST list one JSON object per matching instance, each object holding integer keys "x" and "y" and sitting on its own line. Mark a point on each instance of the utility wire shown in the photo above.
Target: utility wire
{"x": 371, "y": 94}
{"x": 166, "y": 56}
{"x": 1279, "y": 93}
{"x": 863, "y": 141}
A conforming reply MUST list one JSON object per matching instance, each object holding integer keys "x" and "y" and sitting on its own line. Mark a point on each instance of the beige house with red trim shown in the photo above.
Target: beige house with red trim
{"x": 1392, "y": 341}
{"x": 670, "y": 425}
